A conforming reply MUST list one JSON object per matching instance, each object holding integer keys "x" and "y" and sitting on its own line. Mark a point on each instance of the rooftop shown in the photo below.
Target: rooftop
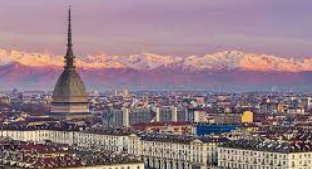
{"x": 180, "y": 138}
{"x": 110, "y": 131}
{"x": 48, "y": 155}
{"x": 271, "y": 145}
{"x": 58, "y": 126}
{"x": 169, "y": 123}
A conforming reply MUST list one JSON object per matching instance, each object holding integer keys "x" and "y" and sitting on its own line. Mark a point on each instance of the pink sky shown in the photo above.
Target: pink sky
{"x": 175, "y": 27}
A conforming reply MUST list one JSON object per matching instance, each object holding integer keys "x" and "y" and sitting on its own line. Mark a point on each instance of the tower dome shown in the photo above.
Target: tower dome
{"x": 69, "y": 88}
{"x": 69, "y": 96}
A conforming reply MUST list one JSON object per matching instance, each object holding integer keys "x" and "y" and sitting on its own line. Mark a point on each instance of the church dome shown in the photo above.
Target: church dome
{"x": 69, "y": 88}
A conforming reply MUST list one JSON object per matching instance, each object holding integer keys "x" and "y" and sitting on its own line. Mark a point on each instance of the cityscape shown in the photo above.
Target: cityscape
{"x": 226, "y": 110}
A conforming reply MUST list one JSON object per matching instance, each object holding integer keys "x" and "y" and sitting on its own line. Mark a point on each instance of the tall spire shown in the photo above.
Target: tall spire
{"x": 69, "y": 57}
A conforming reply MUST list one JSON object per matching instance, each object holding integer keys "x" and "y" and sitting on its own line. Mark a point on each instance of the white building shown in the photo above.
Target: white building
{"x": 175, "y": 152}
{"x": 16, "y": 155}
{"x": 268, "y": 154}
{"x": 104, "y": 138}
{"x": 109, "y": 139}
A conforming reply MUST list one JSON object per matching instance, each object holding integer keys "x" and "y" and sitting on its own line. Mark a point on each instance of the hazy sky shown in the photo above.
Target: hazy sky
{"x": 179, "y": 27}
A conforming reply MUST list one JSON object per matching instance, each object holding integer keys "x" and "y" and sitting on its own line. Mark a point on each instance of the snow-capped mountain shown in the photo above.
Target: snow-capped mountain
{"x": 144, "y": 61}
{"x": 233, "y": 70}
{"x": 227, "y": 60}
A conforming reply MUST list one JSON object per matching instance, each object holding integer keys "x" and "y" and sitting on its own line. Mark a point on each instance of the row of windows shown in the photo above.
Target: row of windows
{"x": 246, "y": 166}
{"x": 258, "y": 162}
{"x": 271, "y": 155}
{"x": 128, "y": 167}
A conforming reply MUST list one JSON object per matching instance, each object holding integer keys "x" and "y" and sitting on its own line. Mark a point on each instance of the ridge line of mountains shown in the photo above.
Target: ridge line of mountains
{"x": 228, "y": 70}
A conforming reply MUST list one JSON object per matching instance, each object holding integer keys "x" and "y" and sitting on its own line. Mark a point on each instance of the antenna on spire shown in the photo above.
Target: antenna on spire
{"x": 69, "y": 54}
{"x": 69, "y": 38}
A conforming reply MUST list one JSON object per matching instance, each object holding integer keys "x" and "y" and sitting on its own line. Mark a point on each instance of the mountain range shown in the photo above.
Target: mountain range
{"x": 226, "y": 70}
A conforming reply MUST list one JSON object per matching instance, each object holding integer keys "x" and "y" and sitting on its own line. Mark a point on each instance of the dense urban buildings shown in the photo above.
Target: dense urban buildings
{"x": 174, "y": 130}
{"x": 21, "y": 154}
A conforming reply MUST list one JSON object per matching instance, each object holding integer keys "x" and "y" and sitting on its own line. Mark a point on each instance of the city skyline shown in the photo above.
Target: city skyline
{"x": 155, "y": 84}
{"x": 174, "y": 28}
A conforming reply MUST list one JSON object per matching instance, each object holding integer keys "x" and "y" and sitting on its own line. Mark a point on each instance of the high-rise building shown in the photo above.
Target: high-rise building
{"x": 126, "y": 117}
{"x": 70, "y": 99}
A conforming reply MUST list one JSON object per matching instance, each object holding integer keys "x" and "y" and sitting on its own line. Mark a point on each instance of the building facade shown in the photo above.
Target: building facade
{"x": 107, "y": 139}
{"x": 158, "y": 151}
{"x": 31, "y": 155}
{"x": 175, "y": 152}
{"x": 126, "y": 117}
{"x": 253, "y": 154}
